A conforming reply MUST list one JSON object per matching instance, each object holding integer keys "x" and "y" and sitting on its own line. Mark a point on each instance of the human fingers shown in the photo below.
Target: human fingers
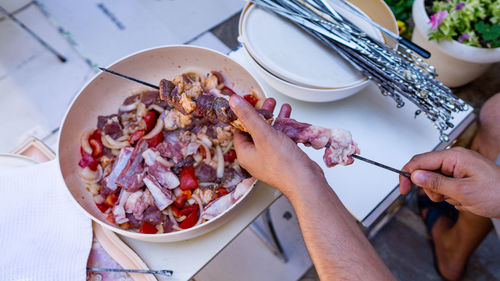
{"x": 242, "y": 142}
{"x": 250, "y": 119}
{"x": 434, "y": 182}
{"x": 269, "y": 105}
{"x": 404, "y": 184}
{"x": 285, "y": 111}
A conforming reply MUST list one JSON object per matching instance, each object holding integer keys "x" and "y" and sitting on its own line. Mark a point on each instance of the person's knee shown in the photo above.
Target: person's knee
{"x": 489, "y": 117}
{"x": 487, "y": 139}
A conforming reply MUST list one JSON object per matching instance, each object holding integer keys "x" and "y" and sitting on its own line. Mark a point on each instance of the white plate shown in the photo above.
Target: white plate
{"x": 291, "y": 54}
{"x": 12, "y": 161}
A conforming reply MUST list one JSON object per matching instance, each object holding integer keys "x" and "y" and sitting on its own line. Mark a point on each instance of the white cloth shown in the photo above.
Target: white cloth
{"x": 43, "y": 235}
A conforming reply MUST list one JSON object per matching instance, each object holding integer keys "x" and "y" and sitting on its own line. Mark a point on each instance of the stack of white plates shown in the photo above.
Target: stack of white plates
{"x": 295, "y": 63}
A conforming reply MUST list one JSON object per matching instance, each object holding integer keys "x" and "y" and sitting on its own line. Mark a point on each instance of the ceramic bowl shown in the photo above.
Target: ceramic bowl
{"x": 282, "y": 74}
{"x": 105, "y": 93}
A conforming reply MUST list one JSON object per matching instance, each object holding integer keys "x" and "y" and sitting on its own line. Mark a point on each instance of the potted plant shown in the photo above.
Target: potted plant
{"x": 463, "y": 37}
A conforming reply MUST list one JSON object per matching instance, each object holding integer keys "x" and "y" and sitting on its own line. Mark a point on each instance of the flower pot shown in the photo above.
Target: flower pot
{"x": 456, "y": 64}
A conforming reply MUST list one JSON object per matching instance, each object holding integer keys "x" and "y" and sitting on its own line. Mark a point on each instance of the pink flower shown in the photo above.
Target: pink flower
{"x": 438, "y": 19}
{"x": 459, "y": 6}
{"x": 463, "y": 37}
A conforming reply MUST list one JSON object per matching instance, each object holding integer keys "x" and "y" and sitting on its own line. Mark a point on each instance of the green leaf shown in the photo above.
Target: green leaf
{"x": 495, "y": 44}
{"x": 488, "y": 32}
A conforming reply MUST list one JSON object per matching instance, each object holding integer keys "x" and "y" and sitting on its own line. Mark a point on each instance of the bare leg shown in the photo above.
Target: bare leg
{"x": 454, "y": 243}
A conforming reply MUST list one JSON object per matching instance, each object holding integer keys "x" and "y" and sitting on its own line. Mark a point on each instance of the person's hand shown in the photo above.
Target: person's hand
{"x": 462, "y": 177}
{"x": 268, "y": 154}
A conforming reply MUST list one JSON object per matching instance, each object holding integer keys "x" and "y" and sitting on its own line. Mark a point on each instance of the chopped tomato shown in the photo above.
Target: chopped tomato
{"x": 148, "y": 228}
{"x": 188, "y": 209}
{"x": 137, "y": 135}
{"x": 102, "y": 207}
{"x": 110, "y": 218}
{"x": 96, "y": 144}
{"x": 111, "y": 200}
{"x": 251, "y": 99}
{"x": 150, "y": 119}
{"x": 181, "y": 199}
{"x": 189, "y": 221}
{"x": 230, "y": 156}
{"x": 227, "y": 91}
{"x": 188, "y": 179}
{"x": 88, "y": 161}
{"x": 154, "y": 141}
{"x": 221, "y": 191}
{"x": 175, "y": 211}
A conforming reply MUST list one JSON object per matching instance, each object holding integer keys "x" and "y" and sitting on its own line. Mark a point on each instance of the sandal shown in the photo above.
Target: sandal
{"x": 435, "y": 210}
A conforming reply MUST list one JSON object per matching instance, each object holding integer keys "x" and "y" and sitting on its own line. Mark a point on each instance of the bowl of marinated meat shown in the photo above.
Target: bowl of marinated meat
{"x": 159, "y": 164}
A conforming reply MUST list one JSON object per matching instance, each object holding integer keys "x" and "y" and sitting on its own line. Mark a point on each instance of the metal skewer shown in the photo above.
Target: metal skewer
{"x": 406, "y": 174}
{"x": 419, "y": 50}
{"x": 129, "y": 78}
{"x": 163, "y": 272}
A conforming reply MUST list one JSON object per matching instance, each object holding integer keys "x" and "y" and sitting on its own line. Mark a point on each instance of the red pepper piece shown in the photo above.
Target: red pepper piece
{"x": 181, "y": 199}
{"x": 251, "y": 99}
{"x": 150, "y": 119}
{"x": 227, "y": 91}
{"x": 95, "y": 143}
{"x": 189, "y": 221}
{"x": 221, "y": 191}
{"x": 88, "y": 161}
{"x": 136, "y": 136}
{"x": 102, "y": 207}
{"x": 154, "y": 141}
{"x": 230, "y": 156}
{"x": 111, "y": 200}
{"x": 175, "y": 211}
{"x": 148, "y": 228}
{"x": 188, "y": 179}
{"x": 188, "y": 209}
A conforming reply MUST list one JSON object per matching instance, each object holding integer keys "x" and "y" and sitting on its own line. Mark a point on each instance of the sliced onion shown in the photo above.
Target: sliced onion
{"x": 205, "y": 140}
{"x": 141, "y": 110}
{"x": 197, "y": 199}
{"x": 220, "y": 162}
{"x": 109, "y": 142}
{"x": 89, "y": 176}
{"x": 206, "y": 184}
{"x": 228, "y": 147}
{"x": 129, "y": 107}
{"x": 156, "y": 107}
{"x": 84, "y": 142}
{"x": 99, "y": 199}
{"x": 171, "y": 217}
{"x": 156, "y": 130}
{"x": 208, "y": 155}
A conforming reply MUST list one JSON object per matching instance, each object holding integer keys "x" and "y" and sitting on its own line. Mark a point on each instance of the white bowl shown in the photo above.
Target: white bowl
{"x": 105, "y": 93}
{"x": 305, "y": 93}
{"x": 377, "y": 10}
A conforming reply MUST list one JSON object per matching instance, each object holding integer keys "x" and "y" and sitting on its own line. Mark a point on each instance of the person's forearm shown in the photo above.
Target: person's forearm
{"x": 338, "y": 248}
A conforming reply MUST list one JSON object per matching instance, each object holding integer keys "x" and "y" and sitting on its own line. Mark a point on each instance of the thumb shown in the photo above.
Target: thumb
{"x": 249, "y": 117}
{"x": 434, "y": 182}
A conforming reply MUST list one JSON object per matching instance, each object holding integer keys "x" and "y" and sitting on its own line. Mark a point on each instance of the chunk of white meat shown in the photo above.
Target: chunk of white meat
{"x": 162, "y": 196}
{"x": 119, "y": 210}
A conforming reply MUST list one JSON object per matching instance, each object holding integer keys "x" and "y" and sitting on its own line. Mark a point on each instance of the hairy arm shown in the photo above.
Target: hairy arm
{"x": 338, "y": 248}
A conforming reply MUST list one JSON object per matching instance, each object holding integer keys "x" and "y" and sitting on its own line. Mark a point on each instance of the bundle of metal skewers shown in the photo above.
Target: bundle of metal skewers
{"x": 397, "y": 72}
